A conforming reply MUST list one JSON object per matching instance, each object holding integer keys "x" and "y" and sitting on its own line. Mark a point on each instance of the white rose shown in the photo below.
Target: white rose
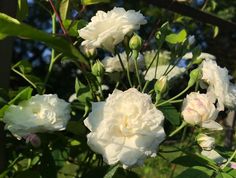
{"x": 41, "y": 113}
{"x": 205, "y": 142}
{"x": 125, "y": 128}
{"x": 198, "y": 109}
{"x": 202, "y": 56}
{"x": 219, "y": 86}
{"x": 108, "y": 29}
{"x": 112, "y": 64}
{"x": 176, "y": 71}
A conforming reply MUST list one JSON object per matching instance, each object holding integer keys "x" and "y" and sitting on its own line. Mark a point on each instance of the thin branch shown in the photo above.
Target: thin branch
{"x": 58, "y": 18}
{"x": 194, "y": 13}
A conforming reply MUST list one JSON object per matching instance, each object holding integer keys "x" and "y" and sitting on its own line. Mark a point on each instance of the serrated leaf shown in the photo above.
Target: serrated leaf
{"x": 64, "y": 6}
{"x": 22, "y": 10}
{"x": 171, "y": 114}
{"x": 176, "y": 38}
{"x": 73, "y": 28}
{"x": 91, "y": 2}
{"x": 12, "y": 27}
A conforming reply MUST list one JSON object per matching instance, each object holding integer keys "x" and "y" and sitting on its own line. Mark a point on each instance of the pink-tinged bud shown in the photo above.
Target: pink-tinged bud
{"x": 33, "y": 139}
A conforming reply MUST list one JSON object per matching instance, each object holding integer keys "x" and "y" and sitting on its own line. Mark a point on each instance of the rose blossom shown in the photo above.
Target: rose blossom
{"x": 41, "y": 113}
{"x": 125, "y": 128}
{"x": 219, "y": 86}
{"x": 112, "y": 64}
{"x": 108, "y": 29}
{"x": 205, "y": 142}
{"x": 198, "y": 109}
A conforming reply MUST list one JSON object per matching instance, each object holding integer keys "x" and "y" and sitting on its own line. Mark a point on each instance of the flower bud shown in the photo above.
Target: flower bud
{"x": 135, "y": 42}
{"x": 205, "y": 142}
{"x": 161, "y": 84}
{"x": 98, "y": 69}
{"x": 33, "y": 139}
{"x": 198, "y": 60}
{"x": 88, "y": 52}
{"x": 194, "y": 76}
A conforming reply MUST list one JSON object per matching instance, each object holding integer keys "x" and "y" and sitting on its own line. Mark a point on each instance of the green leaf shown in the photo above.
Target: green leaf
{"x": 191, "y": 160}
{"x": 90, "y": 2}
{"x": 177, "y": 38}
{"x": 83, "y": 92}
{"x": 112, "y": 172}
{"x": 73, "y": 26}
{"x": 171, "y": 114}
{"x": 76, "y": 127}
{"x": 12, "y": 27}
{"x": 230, "y": 171}
{"x": 22, "y": 95}
{"x": 64, "y": 6}
{"x": 196, "y": 172}
{"x": 216, "y": 31}
{"x": 223, "y": 175}
{"x": 27, "y": 174}
{"x": 22, "y": 10}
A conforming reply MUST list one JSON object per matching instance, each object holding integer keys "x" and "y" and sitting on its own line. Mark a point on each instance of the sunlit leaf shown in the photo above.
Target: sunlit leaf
{"x": 12, "y": 27}
{"x": 90, "y": 2}
{"x": 22, "y": 10}
{"x": 176, "y": 38}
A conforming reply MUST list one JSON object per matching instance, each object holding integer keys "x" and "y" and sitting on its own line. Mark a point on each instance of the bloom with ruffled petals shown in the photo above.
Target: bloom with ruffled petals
{"x": 108, "y": 29}
{"x": 125, "y": 128}
{"x": 41, "y": 113}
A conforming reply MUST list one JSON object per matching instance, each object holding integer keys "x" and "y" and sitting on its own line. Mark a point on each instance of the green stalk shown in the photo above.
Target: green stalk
{"x": 183, "y": 124}
{"x": 173, "y": 98}
{"x": 135, "y": 56}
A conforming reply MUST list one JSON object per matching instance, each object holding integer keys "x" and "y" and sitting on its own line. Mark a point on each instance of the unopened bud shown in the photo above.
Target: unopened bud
{"x": 161, "y": 84}
{"x": 88, "y": 52}
{"x": 194, "y": 76}
{"x": 198, "y": 61}
{"x": 33, "y": 139}
{"x": 98, "y": 69}
{"x": 205, "y": 142}
{"x": 135, "y": 43}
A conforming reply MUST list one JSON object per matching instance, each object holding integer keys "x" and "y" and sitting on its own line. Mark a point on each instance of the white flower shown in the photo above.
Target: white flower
{"x": 112, "y": 64}
{"x": 108, "y": 29}
{"x": 205, "y": 142}
{"x": 41, "y": 113}
{"x": 198, "y": 109}
{"x": 161, "y": 70}
{"x": 125, "y": 128}
{"x": 202, "y": 56}
{"x": 219, "y": 86}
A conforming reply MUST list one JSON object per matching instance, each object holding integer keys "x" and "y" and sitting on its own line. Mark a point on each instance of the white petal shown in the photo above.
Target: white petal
{"x": 212, "y": 125}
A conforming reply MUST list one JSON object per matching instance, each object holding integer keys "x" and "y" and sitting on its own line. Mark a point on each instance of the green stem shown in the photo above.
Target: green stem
{"x": 173, "y": 98}
{"x": 230, "y": 159}
{"x": 136, "y": 68}
{"x": 24, "y": 77}
{"x": 183, "y": 124}
{"x": 145, "y": 86}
